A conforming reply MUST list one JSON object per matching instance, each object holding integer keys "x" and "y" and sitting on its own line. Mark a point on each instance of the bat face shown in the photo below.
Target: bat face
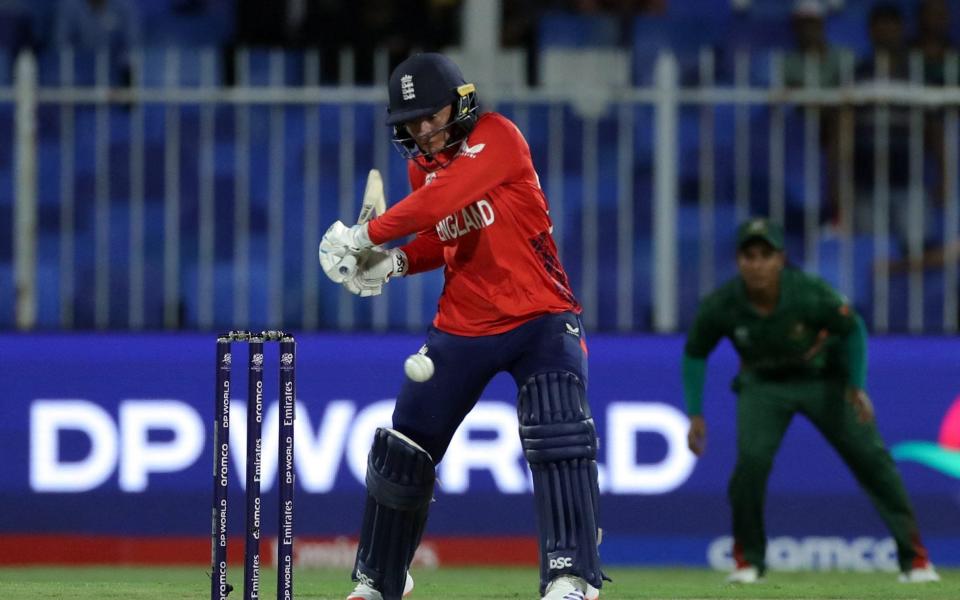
{"x": 374, "y": 203}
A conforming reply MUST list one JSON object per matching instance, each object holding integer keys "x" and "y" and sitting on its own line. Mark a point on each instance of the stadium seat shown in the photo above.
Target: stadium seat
{"x": 189, "y": 61}
{"x": 506, "y": 70}
{"x": 581, "y": 53}
{"x": 849, "y": 29}
{"x": 757, "y": 31}
{"x": 593, "y": 75}
{"x": 710, "y": 11}
{"x": 684, "y": 36}
{"x": 566, "y": 30}
{"x": 261, "y": 63}
{"x": 199, "y": 29}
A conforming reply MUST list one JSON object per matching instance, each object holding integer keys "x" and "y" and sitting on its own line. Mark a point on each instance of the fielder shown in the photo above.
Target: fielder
{"x": 802, "y": 350}
{"x": 477, "y": 211}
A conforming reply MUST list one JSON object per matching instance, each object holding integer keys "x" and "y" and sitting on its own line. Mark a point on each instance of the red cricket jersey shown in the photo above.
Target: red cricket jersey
{"x": 484, "y": 219}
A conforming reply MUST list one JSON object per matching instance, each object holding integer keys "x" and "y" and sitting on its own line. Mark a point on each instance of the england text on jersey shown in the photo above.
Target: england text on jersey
{"x": 475, "y": 216}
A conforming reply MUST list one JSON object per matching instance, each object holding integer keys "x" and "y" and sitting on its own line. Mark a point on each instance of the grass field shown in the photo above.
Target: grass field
{"x": 448, "y": 584}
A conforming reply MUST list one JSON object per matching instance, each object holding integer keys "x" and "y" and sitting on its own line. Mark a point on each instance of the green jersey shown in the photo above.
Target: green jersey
{"x": 799, "y": 338}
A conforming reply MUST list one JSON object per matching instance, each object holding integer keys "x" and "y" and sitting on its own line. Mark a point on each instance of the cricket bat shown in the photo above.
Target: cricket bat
{"x": 374, "y": 204}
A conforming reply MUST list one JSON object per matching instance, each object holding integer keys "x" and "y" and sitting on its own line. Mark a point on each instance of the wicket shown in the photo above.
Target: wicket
{"x": 221, "y": 445}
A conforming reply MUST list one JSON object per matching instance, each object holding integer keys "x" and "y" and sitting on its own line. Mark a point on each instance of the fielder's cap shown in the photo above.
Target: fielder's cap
{"x": 421, "y": 85}
{"x": 760, "y": 229}
{"x": 808, "y": 9}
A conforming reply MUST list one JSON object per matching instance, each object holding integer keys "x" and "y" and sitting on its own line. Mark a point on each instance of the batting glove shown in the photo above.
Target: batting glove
{"x": 375, "y": 267}
{"x": 338, "y": 242}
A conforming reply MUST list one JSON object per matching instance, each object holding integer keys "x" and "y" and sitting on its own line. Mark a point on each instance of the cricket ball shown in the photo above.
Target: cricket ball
{"x": 418, "y": 367}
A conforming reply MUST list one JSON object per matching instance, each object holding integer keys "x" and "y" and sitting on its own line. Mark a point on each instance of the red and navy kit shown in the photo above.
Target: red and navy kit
{"x": 484, "y": 218}
{"x": 478, "y": 211}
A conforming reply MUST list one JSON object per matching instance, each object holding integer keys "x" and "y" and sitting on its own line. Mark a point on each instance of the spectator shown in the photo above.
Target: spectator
{"x": 937, "y": 255}
{"x": 887, "y": 36}
{"x": 16, "y": 26}
{"x": 288, "y": 24}
{"x": 890, "y": 64}
{"x": 621, "y": 7}
{"x": 519, "y": 30}
{"x": 444, "y": 23}
{"x": 95, "y": 25}
{"x": 933, "y": 38}
{"x": 812, "y": 49}
{"x": 933, "y": 43}
{"x": 390, "y": 23}
{"x": 366, "y": 26}
{"x": 887, "y": 63}
{"x": 811, "y": 44}
{"x": 284, "y": 22}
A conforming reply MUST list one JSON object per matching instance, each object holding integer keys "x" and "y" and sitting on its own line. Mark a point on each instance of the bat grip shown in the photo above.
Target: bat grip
{"x": 348, "y": 266}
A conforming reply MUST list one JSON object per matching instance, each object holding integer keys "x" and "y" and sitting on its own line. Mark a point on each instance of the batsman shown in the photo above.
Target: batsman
{"x": 802, "y": 350}
{"x": 477, "y": 211}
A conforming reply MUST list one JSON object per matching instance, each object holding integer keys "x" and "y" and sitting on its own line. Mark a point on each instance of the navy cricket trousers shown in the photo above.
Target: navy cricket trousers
{"x": 430, "y": 412}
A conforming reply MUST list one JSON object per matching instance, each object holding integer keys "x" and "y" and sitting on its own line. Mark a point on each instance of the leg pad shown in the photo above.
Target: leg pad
{"x": 400, "y": 478}
{"x": 560, "y": 443}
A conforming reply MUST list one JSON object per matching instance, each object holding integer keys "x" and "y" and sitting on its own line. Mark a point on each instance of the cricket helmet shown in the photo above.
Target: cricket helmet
{"x": 421, "y": 86}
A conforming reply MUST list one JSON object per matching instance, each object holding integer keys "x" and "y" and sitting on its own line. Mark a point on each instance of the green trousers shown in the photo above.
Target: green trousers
{"x": 764, "y": 411}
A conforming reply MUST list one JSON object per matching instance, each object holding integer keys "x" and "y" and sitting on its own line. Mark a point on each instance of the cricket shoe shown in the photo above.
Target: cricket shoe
{"x": 365, "y": 592}
{"x": 745, "y": 574}
{"x": 592, "y": 593}
{"x": 924, "y": 574}
{"x": 567, "y": 587}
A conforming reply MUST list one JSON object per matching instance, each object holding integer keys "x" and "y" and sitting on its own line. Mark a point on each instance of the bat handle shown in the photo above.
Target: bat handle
{"x": 348, "y": 266}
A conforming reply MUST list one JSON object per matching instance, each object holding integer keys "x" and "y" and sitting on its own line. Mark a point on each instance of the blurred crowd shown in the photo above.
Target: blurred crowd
{"x": 403, "y": 27}
{"x": 330, "y": 25}
{"x": 898, "y": 55}
{"x": 897, "y": 30}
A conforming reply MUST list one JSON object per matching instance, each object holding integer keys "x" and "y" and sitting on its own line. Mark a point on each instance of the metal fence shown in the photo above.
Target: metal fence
{"x": 183, "y": 200}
